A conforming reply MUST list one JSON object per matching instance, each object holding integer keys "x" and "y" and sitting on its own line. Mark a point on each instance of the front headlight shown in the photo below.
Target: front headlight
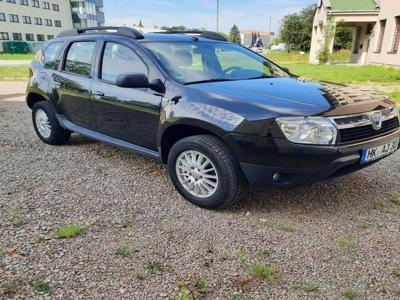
{"x": 308, "y": 130}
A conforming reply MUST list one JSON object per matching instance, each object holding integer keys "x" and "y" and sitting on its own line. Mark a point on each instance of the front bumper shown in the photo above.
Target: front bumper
{"x": 261, "y": 158}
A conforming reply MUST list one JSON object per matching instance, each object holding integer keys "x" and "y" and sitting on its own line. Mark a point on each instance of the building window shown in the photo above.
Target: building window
{"x": 35, "y": 3}
{"x": 38, "y": 21}
{"x": 4, "y": 36}
{"x": 56, "y": 7}
{"x": 396, "y": 40}
{"x": 57, "y": 23}
{"x": 26, "y": 20}
{"x": 50, "y": 37}
{"x": 13, "y": 18}
{"x": 49, "y": 22}
{"x": 381, "y": 36}
{"x": 40, "y": 37}
{"x": 17, "y": 37}
{"x": 2, "y": 17}
{"x": 11, "y": 1}
{"x": 29, "y": 37}
{"x": 23, "y": 2}
{"x": 46, "y": 5}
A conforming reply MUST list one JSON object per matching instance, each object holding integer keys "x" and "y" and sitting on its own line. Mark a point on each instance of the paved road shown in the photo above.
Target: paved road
{"x": 141, "y": 240}
{"x": 15, "y": 62}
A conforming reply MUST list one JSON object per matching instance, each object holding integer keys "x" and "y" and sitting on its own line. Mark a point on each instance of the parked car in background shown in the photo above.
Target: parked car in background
{"x": 217, "y": 114}
{"x": 279, "y": 47}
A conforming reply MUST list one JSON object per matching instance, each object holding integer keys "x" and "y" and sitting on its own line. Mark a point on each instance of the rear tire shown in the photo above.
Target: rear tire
{"x": 46, "y": 125}
{"x": 204, "y": 171}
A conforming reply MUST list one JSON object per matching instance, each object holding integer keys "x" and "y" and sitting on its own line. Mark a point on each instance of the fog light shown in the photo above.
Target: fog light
{"x": 277, "y": 177}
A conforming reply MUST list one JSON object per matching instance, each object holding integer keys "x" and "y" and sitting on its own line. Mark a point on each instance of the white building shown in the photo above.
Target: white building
{"x": 376, "y": 26}
{"x": 32, "y": 22}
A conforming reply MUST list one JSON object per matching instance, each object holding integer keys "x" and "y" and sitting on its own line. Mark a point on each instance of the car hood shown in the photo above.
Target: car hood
{"x": 291, "y": 97}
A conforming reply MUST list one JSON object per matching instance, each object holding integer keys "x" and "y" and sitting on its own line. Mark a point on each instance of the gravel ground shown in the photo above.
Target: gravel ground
{"x": 141, "y": 240}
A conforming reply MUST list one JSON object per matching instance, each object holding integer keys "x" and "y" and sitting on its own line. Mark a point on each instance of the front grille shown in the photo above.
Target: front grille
{"x": 357, "y": 134}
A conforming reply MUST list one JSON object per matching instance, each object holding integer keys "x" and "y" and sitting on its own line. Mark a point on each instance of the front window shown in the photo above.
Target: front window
{"x": 118, "y": 59}
{"x": 194, "y": 62}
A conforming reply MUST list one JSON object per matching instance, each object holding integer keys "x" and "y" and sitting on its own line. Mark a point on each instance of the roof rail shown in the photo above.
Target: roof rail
{"x": 125, "y": 31}
{"x": 197, "y": 33}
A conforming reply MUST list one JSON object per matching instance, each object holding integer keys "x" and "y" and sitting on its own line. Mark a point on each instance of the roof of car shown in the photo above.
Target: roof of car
{"x": 180, "y": 36}
{"x": 160, "y": 37}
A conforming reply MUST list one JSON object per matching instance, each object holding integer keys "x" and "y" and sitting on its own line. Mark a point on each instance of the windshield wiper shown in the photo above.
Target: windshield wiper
{"x": 209, "y": 80}
{"x": 261, "y": 77}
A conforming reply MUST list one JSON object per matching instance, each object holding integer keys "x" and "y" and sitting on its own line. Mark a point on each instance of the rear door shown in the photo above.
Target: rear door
{"x": 74, "y": 80}
{"x": 128, "y": 114}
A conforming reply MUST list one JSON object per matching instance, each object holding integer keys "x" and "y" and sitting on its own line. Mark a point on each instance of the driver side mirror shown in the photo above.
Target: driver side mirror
{"x": 286, "y": 70}
{"x": 132, "y": 80}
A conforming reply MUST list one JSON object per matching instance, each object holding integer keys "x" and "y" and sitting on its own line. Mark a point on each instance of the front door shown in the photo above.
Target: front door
{"x": 128, "y": 114}
{"x": 74, "y": 82}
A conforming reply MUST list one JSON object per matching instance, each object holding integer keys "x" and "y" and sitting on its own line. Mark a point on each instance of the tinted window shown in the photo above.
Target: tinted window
{"x": 50, "y": 55}
{"x": 79, "y": 58}
{"x": 190, "y": 62}
{"x": 118, "y": 59}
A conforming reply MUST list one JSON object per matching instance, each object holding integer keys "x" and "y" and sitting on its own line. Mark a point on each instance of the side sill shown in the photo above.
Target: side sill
{"x": 66, "y": 124}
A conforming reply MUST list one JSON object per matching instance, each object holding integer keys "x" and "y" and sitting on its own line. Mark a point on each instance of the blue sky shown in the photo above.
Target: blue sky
{"x": 247, "y": 14}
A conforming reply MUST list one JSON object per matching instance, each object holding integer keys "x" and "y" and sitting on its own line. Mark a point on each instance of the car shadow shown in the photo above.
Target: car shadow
{"x": 347, "y": 193}
{"x": 80, "y": 140}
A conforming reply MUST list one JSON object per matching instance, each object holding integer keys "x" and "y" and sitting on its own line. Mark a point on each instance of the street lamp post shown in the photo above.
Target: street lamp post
{"x": 217, "y": 15}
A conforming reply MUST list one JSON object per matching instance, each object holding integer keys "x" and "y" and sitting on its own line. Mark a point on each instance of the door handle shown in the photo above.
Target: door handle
{"x": 98, "y": 95}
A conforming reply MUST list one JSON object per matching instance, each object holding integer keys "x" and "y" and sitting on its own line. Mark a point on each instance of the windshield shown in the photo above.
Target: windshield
{"x": 195, "y": 62}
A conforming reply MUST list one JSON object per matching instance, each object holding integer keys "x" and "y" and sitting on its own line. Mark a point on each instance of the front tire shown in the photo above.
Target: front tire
{"x": 204, "y": 171}
{"x": 46, "y": 125}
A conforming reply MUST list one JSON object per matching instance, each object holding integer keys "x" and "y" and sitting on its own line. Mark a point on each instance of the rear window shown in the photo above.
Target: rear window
{"x": 79, "y": 58}
{"x": 50, "y": 58}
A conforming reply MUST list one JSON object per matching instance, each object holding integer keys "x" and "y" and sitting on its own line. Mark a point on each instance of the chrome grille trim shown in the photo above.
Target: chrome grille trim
{"x": 364, "y": 119}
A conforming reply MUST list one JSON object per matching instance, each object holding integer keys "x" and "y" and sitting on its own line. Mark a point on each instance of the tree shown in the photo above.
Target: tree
{"x": 343, "y": 38}
{"x": 325, "y": 54}
{"x": 296, "y": 29}
{"x": 224, "y": 35}
{"x": 234, "y": 35}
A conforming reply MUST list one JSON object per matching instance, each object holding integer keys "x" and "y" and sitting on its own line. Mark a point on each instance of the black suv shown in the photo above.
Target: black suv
{"x": 218, "y": 114}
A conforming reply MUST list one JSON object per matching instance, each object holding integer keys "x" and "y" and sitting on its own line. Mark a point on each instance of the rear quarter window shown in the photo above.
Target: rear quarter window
{"x": 50, "y": 57}
{"x": 79, "y": 58}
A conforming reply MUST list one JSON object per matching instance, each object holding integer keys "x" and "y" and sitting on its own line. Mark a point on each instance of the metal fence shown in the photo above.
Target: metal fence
{"x": 19, "y": 47}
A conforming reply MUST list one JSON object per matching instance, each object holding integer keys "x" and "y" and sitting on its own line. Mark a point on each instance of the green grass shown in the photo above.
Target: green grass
{"x": 296, "y": 57}
{"x": 396, "y": 201}
{"x": 124, "y": 251}
{"x": 395, "y": 96}
{"x": 153, "y": 266}
{"x": 347, "y": 74}
{"x": 40, "y": 285}
{"x": 9, "y": 56}
{"x": 308, "y": 287}
{"x": 201, "y": 284}
{"x": 13, "y": 216}
{"x": 350, "y": 294}
{"x": 345, "y": 244}
{"x": 68, "y": 231}
{"x": 287, "y": 228}
{"x": 264, "y": 272}
{"x": 285, "y": 57}
{"x": 14, "y": 73}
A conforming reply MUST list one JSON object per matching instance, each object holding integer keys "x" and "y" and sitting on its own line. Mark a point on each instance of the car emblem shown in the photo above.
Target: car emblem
{"x": 376, "y": 119}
